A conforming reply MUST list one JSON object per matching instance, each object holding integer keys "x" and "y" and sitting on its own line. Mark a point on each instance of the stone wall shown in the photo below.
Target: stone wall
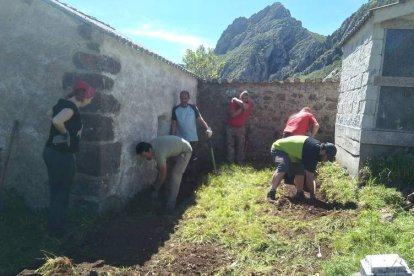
{"x": 45, "y": 48}
{"x": 273, "y": 103}
{"x": 373, "y": 100}
{"x": 354, "y": 92}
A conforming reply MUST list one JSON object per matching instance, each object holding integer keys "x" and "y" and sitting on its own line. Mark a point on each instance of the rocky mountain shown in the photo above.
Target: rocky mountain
{"x": 272, "y": 45}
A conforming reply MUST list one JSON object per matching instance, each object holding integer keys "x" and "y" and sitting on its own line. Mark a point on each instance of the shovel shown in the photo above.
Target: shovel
{"x": 213, "y": 159}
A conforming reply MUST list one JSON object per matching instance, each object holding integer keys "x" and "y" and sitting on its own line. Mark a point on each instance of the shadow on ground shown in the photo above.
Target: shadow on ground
{"x": 133, "y": 236}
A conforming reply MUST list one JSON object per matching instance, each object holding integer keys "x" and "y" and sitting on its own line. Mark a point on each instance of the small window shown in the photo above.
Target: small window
{"x": 395, "y": 108}
{"x": 399, "y": 53}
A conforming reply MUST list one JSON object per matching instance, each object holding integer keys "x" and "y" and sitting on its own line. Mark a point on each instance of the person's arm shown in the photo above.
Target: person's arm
{"x": 173, "y": 127}
{"x": 162, "y": 175}
{"x": 240, "y": 103}
{"x": 234, "y": 111}
{"x": 173, "y": 122}
{"x": 59, "y": 120}
{"x": 201, "y": 122}
{"x": 315, "y": 129}
{"x": 310, "y": 183}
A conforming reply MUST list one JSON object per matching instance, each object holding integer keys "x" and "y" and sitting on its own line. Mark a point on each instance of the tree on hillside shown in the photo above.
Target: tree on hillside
{"x": 203, "y": 62}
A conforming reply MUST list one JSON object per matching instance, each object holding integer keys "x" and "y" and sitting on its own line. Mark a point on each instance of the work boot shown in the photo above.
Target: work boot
{"x": 271, "y": 195}
{"x": 299, "y": 196}
{"x": 312, "y": 200}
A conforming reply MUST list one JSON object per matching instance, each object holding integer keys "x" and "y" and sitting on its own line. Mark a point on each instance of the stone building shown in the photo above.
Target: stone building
{"x": 376, "y": 97}
{"x": 45, "y": 47}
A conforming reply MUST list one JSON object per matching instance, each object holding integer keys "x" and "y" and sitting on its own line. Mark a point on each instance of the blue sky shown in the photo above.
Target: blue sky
{"x": 169, "y": 27}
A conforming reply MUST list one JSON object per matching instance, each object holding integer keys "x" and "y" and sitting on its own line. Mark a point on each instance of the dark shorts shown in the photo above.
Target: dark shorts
{"x": 281, "y": 160}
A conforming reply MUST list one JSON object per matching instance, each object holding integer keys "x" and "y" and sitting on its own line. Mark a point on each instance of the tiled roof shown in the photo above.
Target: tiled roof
{"x": 112, "y": 32}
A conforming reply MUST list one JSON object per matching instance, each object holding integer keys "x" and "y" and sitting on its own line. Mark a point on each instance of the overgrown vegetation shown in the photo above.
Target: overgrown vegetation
{"x": 334, "y": 68}
{"x": 203, "y": 62}
{"x": 284, "y": 238}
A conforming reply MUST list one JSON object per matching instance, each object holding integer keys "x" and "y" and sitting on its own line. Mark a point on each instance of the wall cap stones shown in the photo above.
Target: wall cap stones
{"x": 241, "y": 81}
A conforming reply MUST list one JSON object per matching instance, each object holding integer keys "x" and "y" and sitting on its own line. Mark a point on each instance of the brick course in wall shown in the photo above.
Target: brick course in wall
{"x": 273, "y": 103}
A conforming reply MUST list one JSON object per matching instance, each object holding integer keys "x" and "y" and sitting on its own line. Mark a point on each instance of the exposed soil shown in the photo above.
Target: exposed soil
{"x": 138, "y": 239}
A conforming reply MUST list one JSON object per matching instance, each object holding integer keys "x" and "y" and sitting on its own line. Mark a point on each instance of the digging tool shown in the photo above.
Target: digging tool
{"x": 213, "y": 159}
{"x": 7, "y": 156}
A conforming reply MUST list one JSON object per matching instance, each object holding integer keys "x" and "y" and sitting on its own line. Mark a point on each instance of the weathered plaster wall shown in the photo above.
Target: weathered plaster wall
{"x": 44, "y": 49}
{"x": 273, "y": 103}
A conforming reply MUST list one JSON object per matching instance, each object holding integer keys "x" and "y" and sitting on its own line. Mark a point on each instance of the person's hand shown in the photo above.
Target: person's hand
{"x": 209, "y": 132}
{"x": 61, "y": 139}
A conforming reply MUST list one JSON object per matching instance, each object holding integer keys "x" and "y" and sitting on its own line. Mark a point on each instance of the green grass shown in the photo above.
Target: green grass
{"x": 321, "y": 73}
{"x": 396, "y": 170}
{"x": 231, "y": 213}
{"x": 23, "y": 234}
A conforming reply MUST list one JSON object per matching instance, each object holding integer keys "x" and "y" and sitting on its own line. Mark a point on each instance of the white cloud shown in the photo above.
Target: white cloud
{"x": 160, "y": 33}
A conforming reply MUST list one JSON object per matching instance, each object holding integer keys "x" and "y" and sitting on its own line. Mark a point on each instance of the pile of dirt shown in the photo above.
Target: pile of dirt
{"x": 184, "y": 259}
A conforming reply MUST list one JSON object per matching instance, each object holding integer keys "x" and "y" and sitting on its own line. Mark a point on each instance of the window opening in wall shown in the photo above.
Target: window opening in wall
{"x": 395, "y": 108}
{"x": 164, "y": 125}
{"x": 399, "y": 53}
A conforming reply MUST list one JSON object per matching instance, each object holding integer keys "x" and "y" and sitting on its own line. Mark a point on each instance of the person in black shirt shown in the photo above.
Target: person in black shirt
{"x": 58, "y": 154}
{"x": 298, "y": 155}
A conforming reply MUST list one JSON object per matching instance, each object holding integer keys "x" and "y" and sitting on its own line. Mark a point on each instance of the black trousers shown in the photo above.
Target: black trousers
{"x": 61, "y": 173}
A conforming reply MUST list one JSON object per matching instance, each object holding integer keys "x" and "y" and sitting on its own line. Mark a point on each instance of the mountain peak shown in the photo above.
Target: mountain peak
{"x": 274, "y": 11}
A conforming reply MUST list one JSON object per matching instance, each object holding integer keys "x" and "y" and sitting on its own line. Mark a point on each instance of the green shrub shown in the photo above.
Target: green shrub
{"x": 396, "y": 170}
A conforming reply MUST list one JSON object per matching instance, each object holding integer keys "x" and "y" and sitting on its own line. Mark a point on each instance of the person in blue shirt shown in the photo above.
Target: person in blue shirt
{"x": 184, "y": 120}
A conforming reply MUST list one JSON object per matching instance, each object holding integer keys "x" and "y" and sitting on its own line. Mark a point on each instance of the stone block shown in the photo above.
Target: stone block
{"x": 281, "y": 97}
{"x": 318, "y": 106}
{"x": 330, "y": 99}
{"x": 368, "y": 122}
{"x": 370, "y": 107}
{"x": 331, "y": 106}
{"x": 97, "y": 128}
{"x": 99, "y": 159}
{"x": 99, "y": 63}
{"x": 97, "y": 81}
{"x": 103, "y": 103}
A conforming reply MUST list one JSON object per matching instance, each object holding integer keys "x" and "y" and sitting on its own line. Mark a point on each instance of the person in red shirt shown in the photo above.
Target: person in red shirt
{"x": 236, "y": 130}
{"x": 301, "y": 123}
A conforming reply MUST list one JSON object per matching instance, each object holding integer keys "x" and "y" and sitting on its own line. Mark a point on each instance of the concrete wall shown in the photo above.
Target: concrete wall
{"x": 357, "y": 135}
{"x": 273, "y": 103}
{"x": 44, "y": 48}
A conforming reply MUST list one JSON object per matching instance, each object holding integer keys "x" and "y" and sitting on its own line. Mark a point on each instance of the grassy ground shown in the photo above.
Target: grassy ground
{"x": 231, "y": 212}
{"x": 232, "y": 229}
{"x": 23, "y": 239}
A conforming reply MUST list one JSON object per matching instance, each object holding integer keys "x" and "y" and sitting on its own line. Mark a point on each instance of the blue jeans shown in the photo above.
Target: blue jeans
{"x": 61, "y": 173}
